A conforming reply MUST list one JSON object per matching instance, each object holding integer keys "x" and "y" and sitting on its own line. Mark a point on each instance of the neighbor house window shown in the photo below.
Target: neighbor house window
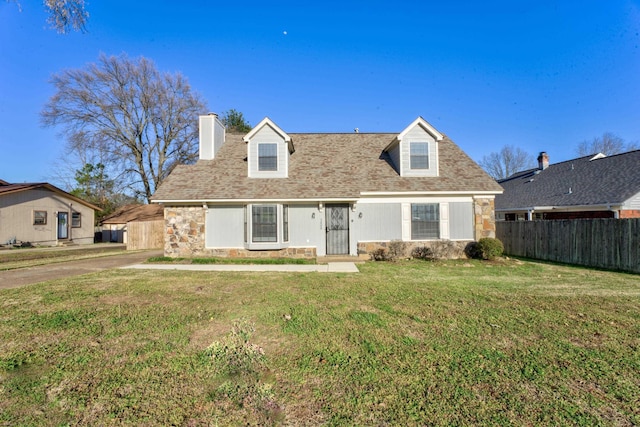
{"x": 39, "y": 217}
{"x": 264, "y": 223}
{"x": 419, "y": 152}
{"x": 75, "y": 220}
{"x": 425, "y": 221}
{"x": 267, "y": 157}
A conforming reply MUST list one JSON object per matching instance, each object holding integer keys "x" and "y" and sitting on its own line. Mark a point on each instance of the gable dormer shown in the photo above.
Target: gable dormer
{"x": 268, "y": 151}
{"x": 414, "y": 152}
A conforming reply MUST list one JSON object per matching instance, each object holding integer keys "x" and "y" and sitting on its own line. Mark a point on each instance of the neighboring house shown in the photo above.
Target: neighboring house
{"x": 42, "y": 214}
{"x": 273, "y": 193}
{"x": 114, "y": 226}
{"x": 595, "y": 186}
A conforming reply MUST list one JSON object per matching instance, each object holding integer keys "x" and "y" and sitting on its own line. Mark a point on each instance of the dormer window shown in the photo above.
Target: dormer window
{"x": 268, "y": 151}
{"x": 414, "y": 152}
{"x": 419, "y": 155}
{"x": 267, "y": 157}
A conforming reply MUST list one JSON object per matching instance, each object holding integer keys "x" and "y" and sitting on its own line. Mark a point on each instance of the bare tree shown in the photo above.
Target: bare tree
{"x": 609, "y": 144}
{"x": 64, "y": 15}
{"x": 506, "y": 162}
{"x": 141, "y": 123}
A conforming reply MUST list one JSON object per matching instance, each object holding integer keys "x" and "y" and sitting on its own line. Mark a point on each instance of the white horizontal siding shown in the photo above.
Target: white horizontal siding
{"x": 461, "y": 221}
{"x": 224, "y": 227}
{"x": 267, "y": 135}
{"x": 378, "y": 222}
{"x": 306, "y": 226}
{"x": 633, "y": 203}
{"x": 417, "y": 134}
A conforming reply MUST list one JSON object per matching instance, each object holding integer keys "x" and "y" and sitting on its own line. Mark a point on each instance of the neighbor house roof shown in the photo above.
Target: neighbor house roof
{"x": 324, "y": 166}
{"x": 586, "y": 181}
{"x": 130, "y": 213}
{"x": 7, "y": 188}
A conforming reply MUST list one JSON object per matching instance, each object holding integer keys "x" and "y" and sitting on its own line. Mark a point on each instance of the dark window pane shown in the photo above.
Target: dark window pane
{"x": 39, "y": 217}
{"x": 285, "y": 223}
{"x": 267, "y": 157}
{"x": 425, "y": 221}
{"x": 264, "y": 224}
{"x": 75, "y": 220}
{"x": 419, "y": 152}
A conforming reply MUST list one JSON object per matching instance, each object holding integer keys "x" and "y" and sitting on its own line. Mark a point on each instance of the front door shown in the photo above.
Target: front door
{"x": 63, "y": 225}
{"x": 337, "y": 229}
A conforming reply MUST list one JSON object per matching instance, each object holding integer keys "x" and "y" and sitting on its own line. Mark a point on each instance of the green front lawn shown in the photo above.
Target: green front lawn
{"x": 408, "y": 343}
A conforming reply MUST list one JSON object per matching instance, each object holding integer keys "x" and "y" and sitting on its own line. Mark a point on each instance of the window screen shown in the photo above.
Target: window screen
{"x": 267, "y": 157}
{"x": 75, "y": 220}
{"x": 419, "y": 152}
{"x": 285, "y": 223}
{"x": 425, "y": 221}
{"x": 39, "y": 217}
{"x": 264, "y": 223}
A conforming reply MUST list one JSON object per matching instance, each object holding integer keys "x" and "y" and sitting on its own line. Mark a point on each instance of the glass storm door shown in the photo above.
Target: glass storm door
{"x": 63, "y": 225}
{"x": 337, "y": 229}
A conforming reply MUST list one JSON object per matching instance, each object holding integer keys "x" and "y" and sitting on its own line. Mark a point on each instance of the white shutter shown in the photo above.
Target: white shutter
{"x": 444, "y": 220}
{"x": 406, "y": 221}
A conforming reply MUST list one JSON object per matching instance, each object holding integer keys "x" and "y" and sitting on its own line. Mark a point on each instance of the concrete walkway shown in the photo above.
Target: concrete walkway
{"x": 332, "y": 267}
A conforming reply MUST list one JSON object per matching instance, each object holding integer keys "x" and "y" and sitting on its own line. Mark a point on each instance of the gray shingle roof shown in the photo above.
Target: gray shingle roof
{"x": 323, "y": 166}
{"x": 608, "y": 180}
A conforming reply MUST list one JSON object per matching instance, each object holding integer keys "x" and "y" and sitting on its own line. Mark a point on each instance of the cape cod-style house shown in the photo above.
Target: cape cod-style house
{"x": 273, "y": 193}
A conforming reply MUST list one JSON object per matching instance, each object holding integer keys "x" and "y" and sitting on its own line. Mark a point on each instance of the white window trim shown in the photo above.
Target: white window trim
{"x": 443, "y": 219}
{"x": 279, "y": 243}
{"x": 276, "y": 170}
{"x": 428, "y": 156}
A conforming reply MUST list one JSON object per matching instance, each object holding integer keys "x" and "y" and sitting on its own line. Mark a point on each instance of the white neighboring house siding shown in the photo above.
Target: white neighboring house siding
{"x": 267, "y": 135}
{"x": 632, "y": 203}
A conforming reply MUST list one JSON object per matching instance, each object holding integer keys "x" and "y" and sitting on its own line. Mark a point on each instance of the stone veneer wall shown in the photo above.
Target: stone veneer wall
{"x": 185, "y": 234}
{"x": 484, "y": 217}
{"x": 457, "y": 253}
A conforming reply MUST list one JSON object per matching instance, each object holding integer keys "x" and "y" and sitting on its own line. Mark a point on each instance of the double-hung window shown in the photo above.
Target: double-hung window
{"x": 39, "y": 217}
{"x": 425, "y": 221}
{"x": 76, "y": 221}
{"x": 267, "y": 157}
{"x": 264, "y": 223}
{"x": 419, "y": 155}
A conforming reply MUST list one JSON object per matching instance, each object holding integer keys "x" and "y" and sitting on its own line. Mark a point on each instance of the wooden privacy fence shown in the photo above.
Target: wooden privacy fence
{"x": 604, "y": 243}
{"x": 145, "y": 235}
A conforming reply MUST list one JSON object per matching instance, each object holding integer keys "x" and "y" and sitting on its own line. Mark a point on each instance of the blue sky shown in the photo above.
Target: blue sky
{"x": 541, "y": 75}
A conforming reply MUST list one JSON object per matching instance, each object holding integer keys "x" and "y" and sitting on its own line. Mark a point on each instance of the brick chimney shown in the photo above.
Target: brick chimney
{"x": 543, "y": 160}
